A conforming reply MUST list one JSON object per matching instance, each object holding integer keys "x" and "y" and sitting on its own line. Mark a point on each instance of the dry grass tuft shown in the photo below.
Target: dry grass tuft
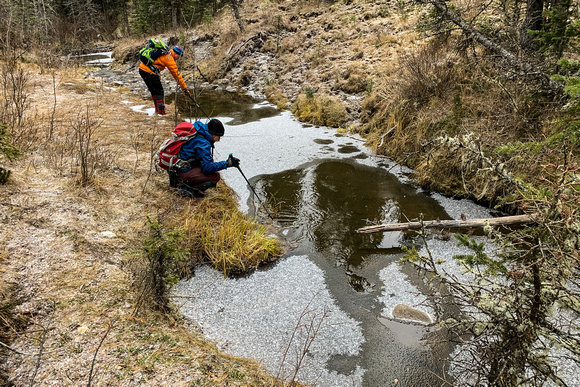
{"x": 319, "y": 109}
{"x": 353, "y": 79}
{"x": 275, "y": 95}
{"x": 216, "y": 231}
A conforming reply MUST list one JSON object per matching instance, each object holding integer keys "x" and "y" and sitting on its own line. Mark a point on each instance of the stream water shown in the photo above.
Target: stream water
{"x": 96, "y": 59}
{"x": 323, "y": 313}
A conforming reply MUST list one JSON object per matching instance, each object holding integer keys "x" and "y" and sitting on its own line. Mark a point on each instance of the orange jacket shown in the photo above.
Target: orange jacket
{"x": 166, "y": 61}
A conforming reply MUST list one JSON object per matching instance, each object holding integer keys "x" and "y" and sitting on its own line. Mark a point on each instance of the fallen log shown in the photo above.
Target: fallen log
{"x": 454, "y": 223}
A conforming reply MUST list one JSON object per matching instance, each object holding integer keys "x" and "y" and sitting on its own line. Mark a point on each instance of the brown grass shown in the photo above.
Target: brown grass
{"x": 69, "y": 255}
{"x": 320, "y": 109}
{"x": 217, "y": 232}
{"x": 434, "y": 95}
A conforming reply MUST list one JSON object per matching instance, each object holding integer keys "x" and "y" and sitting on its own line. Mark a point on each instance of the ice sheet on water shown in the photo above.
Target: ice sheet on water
{"x": 256, "y": 316}
{"x": 456, "y": 207}
{"x": 398, "y": 290}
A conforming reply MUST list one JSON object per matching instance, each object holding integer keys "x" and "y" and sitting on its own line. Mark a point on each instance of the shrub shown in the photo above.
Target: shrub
{"x": 7, "y": 151}
{"x": 520, "y": 305}
{"x": 428, "y": 72}
{"x": 14, "y": 95}
{"x": 163, "y": 252}
{"x": 319, "y": 109}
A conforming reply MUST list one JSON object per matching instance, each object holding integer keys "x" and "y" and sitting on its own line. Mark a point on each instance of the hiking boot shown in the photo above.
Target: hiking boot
{"x": 154, "y": 98}
{"x": 159, "y": 105}
{"x": 189, "y": 192}
{"x": 173, "y": 179}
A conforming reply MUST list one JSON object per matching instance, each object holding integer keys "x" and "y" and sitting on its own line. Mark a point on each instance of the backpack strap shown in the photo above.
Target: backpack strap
{"x": 177, "y": 163}
{"x": 154, "y": 68}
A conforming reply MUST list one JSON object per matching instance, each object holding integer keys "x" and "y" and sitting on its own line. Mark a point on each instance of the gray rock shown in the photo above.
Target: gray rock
{"x": 406, "y": 312}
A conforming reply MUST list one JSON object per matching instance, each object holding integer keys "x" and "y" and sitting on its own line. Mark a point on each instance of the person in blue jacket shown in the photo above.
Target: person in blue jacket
{"x": 203, "y": 172}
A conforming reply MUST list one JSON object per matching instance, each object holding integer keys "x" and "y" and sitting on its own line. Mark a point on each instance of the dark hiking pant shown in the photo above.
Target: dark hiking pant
{"x": 153, "y": 82}
{"x": 195, "y": 178}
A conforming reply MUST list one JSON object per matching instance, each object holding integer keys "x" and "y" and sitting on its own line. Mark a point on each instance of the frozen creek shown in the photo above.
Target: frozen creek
{"x": 323, "y": 311}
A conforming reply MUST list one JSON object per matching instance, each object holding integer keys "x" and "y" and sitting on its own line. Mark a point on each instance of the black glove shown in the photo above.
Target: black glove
{"x": 233, "y": 161}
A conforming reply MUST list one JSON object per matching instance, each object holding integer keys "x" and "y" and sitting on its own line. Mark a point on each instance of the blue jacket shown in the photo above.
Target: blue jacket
{"x": 201, "y": 148}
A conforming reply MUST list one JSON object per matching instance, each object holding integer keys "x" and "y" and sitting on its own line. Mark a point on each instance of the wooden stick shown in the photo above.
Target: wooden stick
{"x": 506, "y": 220}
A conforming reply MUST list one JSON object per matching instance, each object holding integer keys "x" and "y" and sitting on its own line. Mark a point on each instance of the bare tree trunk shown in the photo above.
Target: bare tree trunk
{"x": 236, "y": 9}
{"x": 126, "y": 19}
{"x": 523, "y": 67}
{"x": 174, "y": 12}
{"x": 533, "y": 22}
{"x": 9, "y": 26}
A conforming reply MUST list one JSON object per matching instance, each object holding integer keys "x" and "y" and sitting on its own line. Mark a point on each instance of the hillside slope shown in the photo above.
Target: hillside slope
{"x": 338, "y": 50}
{"x": 362, "y": 66}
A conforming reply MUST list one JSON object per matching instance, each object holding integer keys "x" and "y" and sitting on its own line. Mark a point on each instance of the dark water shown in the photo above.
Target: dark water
{"x": 341, "y": 197}
{"x": 322, "y": 204}
{"x": 207, "y": 102}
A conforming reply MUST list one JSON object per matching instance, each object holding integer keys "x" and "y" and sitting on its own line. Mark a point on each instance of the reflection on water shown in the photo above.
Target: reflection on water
{"x": 327, "y": 201}
{"x": 321, "y": 204}
{"x": 241, "y": 108}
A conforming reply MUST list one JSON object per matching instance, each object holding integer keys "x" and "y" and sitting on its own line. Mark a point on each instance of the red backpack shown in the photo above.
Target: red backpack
{"x": 168, "y": 154}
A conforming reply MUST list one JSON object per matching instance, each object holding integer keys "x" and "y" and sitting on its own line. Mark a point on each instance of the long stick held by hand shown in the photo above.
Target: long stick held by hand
{"x": 255, "y": 193}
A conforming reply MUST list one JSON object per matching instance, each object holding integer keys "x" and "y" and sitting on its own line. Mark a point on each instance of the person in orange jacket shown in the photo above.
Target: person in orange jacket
{"x": 153, "y": 80}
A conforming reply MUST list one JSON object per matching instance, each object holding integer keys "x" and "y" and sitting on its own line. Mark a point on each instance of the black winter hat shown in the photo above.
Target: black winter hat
{"x": 215, "y": 127}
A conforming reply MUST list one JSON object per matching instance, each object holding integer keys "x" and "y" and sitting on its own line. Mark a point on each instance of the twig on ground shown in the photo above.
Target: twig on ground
{"x": 42, "y": 340}
{"x": 97, "y": 351}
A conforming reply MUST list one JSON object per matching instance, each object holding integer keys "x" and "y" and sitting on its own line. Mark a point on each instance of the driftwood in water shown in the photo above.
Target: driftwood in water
{"x": 503, "y": 221}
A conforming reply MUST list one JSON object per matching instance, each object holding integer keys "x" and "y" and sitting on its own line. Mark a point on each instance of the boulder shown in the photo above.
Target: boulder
{"x": 407, "y": 313}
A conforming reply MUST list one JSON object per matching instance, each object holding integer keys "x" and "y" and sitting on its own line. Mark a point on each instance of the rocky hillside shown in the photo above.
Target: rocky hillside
{"x": 290, "y": 48}
{"x": 362, "y": 66}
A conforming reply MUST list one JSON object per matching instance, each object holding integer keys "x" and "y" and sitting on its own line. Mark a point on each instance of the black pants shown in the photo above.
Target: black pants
{"x": 153, "y": 82}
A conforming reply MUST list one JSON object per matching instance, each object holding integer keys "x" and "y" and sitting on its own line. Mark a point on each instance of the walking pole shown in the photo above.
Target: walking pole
{"x": 254, "y": 191}
{"x": 196, "y": 104}
{"x": 194, "y": 101}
